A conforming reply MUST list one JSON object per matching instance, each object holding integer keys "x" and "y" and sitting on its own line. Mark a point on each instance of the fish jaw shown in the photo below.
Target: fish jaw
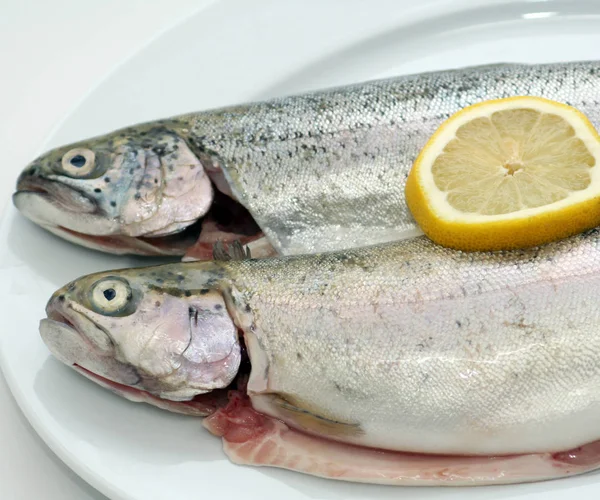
{"x": 119, "y": 378}
{"x": 174, "y": 245}
{"x": 74, "y": 349}
{"x": 201, "y": 405}
{"x": 75, "y": 217}
{"x": 252, "y": 438}
{"x": 112, "y": 243}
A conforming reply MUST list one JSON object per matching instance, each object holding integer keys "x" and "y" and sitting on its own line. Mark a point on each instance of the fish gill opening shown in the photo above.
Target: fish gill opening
{"x": 220, "y": 397}
{"x": 226, "y": 221}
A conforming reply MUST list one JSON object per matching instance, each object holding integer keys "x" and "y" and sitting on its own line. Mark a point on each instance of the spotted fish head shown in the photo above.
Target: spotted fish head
{"x": 144, "y": 331}
{"x": 125, "y": 192}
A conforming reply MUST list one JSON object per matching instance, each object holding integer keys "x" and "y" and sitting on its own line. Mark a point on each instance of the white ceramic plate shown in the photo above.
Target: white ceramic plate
{"x": 234, "y": 51}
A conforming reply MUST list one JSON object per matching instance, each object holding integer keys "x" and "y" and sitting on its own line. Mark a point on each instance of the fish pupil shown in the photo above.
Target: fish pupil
{"x": 78, "y": 161}
{"x": 109, "y": 294}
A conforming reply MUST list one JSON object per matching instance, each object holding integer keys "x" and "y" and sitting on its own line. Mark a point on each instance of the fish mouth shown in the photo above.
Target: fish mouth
{"x": 64, "y": 337}
{"x": 33, "y": 188}
{"x": 72, "y": 215}
{"x": 66, "y": 197}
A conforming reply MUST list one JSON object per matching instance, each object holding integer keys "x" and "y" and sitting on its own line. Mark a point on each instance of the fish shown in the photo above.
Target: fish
{"x": 316, "y": 172}
{"x": 404, "y": 363}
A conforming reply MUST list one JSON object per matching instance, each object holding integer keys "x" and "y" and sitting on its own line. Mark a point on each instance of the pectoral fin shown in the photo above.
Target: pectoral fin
{"x": 302, "y": 415}
{"x": 235, "y": 251}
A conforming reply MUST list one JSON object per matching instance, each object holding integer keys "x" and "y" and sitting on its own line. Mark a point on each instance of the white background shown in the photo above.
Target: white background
{"x": 51, "y": 54}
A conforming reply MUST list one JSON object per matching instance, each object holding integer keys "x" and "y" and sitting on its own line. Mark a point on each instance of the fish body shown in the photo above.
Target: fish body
{"x": 421, "y": 349}
{"x": 322, "y": 171}
{"x": 393, "y": 351}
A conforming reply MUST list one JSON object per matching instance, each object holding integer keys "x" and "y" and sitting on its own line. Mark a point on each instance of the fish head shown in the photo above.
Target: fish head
{"x": 124, "y": 192}
{"x": 143, "y": 331}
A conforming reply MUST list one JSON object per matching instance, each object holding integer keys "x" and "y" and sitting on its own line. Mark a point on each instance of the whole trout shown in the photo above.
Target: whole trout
{"x": 316, "y": 172}
{"x": 405, "y": 363}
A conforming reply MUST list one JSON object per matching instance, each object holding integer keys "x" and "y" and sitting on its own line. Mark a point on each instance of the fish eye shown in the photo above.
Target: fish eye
{"x": 78, "y": 162}
{"x": 110, "y": 295}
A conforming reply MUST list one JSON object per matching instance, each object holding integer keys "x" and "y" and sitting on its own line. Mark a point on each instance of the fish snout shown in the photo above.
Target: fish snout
{"x": 55, "y": 304}
{"x": 73, "y": 349}
{"x": 28, "y": 180}
{"x": 30, "y": 190}
{"x": 59, "y": 333}
{"x": 60, "y": 310}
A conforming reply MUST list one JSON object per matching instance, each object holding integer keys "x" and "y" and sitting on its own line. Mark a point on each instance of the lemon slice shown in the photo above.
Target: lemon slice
{"x": 508, "y": 173}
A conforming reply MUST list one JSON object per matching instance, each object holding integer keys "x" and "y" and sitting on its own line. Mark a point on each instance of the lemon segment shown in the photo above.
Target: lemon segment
{"x": 508, "y": 173}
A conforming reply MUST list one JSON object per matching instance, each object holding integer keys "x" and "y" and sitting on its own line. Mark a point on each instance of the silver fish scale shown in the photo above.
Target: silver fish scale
{"x": 327, "y": 170}
{"x": 432, "y": 350}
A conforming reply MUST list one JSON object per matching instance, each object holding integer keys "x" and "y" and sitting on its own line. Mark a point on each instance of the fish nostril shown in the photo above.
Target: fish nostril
{"x": 56, "y": 305}
{"x": 30, "y": 171}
